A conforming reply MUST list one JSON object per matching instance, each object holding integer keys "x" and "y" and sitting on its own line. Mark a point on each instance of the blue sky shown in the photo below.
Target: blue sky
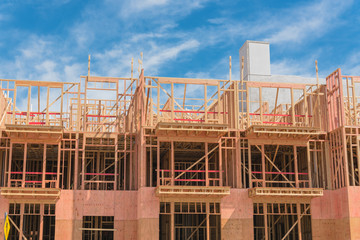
{"x": 50, "y": 40}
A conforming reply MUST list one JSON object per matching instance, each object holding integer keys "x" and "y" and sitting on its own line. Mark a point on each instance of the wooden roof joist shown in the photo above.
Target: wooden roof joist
{"x": 210, "y": 82}
{"x": 39, "y": 83}
{"x": 104, "y": 79}
{"x": 278, "y": 85}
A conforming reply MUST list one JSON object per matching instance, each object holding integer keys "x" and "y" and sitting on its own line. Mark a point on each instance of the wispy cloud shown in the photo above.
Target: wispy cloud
{"x": 298, "y": 24}
{"x": 161, "y": 7}
{"x": 218, "y": 70}
{"x": 352, "y": 65}
{"x": 3, "y": 17}
{"x": 291, "y": 67}
{"x": 110, "y": 31}
{"x": 39, "y": 58}
{"x": 53, "y": 58}
{"x": 161, "y": 56}
{"x": 137, "y": 5}
{"x": 306, "y": 22}
{"x": 116, "y": 61}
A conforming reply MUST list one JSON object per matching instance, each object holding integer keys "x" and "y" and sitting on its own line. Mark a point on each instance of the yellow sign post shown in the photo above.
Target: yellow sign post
{"x": 6, "y": 227}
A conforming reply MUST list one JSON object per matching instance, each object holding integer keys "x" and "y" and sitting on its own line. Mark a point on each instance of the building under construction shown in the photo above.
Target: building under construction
{"x": 260, "y": 157}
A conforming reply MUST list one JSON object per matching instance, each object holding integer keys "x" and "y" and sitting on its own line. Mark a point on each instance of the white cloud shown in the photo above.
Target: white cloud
{"x": 34, "y": 48}
{"x": 218, "y": 70}
{"x": 139, "y": 5}
{"x": 164, "y": 42}
{"x": 40, "y": 58}
{"x": 3, "y": 17}
{"x": 299, "y": 24}
{"x": 116, "y": 61}
{"x": 352, "y": 65}
{"x": 72, "y": 72}
{"x": 306, "y": 22}
{"x": 162, "y": 9}
{"x": 201, "y": 74}
{"x": 160, "y": 56}
{"x": 217, "y": 20}
{"x": 83, "y": 34}
{"x": 290, "y": 67}
{"x": 143, "y": 36}
{"x": 47, "y": 71}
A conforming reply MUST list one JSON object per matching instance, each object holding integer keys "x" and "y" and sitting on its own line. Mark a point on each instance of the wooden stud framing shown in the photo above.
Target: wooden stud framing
{"x": 132, "y": 140}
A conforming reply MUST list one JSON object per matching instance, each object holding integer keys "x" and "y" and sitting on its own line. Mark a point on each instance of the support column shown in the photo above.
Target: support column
{"x": 125, "y": 152}
{"x": 83, "y": 164}
{"x": 44, "y": 167}
{"x": 14, "y": 106}
{"x": 206, "y": 165}
{"x": 24, "y": 166}
{"x": 41, "y": 229}
{"x": 207, "y": 221}
{"x": 263, "y": 165}
{"x": 172, "y": 164}
{"x": 296, "y": 167}
{"x": 58, "y": 166}
{"x": 172, "y": 103}
{"x": 172, "y": 221}
{"x": 205, "y": 104}
{"x": 116, "y": 163}
{"x": 151, "y": 163}
{"x": 249, "y": 166}
{"x": 22, "y": 205}
{"x": 238, "y": 162}
{"x": 220, "y": 164}
{"x": 9, "y": 166}
{"x": 158, "y": 163}
{"x": 309, "y": 165}
{"x": 265, "y": 221}
{"x": 299, "y": 220}
{"x": 131, "y": 163}
{"x": 28, "y": 105}
{"x": 47, "y": 106}
{"x": 293, "y": 120}
{"x": 76, "y": 163}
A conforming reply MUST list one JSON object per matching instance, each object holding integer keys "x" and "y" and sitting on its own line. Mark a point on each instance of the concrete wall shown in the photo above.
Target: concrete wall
{"x": 4, "y": 207}
{"x": 330, "y": 216}
{"x": 148, "y": 214}
{"x": 73, "y": 205}
{"x": 336, "y": 215}
{"x": 354, "y": 211}
{"x": 237, "y": 215}
{"x": 136, "y": 213}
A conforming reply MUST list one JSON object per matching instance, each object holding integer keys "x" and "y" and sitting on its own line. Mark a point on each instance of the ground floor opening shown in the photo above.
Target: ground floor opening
{"x": 189, "y": 220}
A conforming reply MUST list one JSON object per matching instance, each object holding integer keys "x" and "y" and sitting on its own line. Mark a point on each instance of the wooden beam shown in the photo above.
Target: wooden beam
{"x": 277, "y": 169}
{"x": 199, "y": 160}
{"x": 210, "y": 82}
{"x": 299, "y": 219}
{"x": 17, "y": 228}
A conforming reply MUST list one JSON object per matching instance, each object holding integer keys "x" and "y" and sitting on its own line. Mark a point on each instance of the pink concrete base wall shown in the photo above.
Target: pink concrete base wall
{"x": 237, "y": 215}
{"x": 148, "y": 214}
{"x": 4, "y": 207}
{"x": 354, "y": 211}
{"x": 336, "y": 215}
{"x": 73, "y": 205}
{"x": 130, "y": 220}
